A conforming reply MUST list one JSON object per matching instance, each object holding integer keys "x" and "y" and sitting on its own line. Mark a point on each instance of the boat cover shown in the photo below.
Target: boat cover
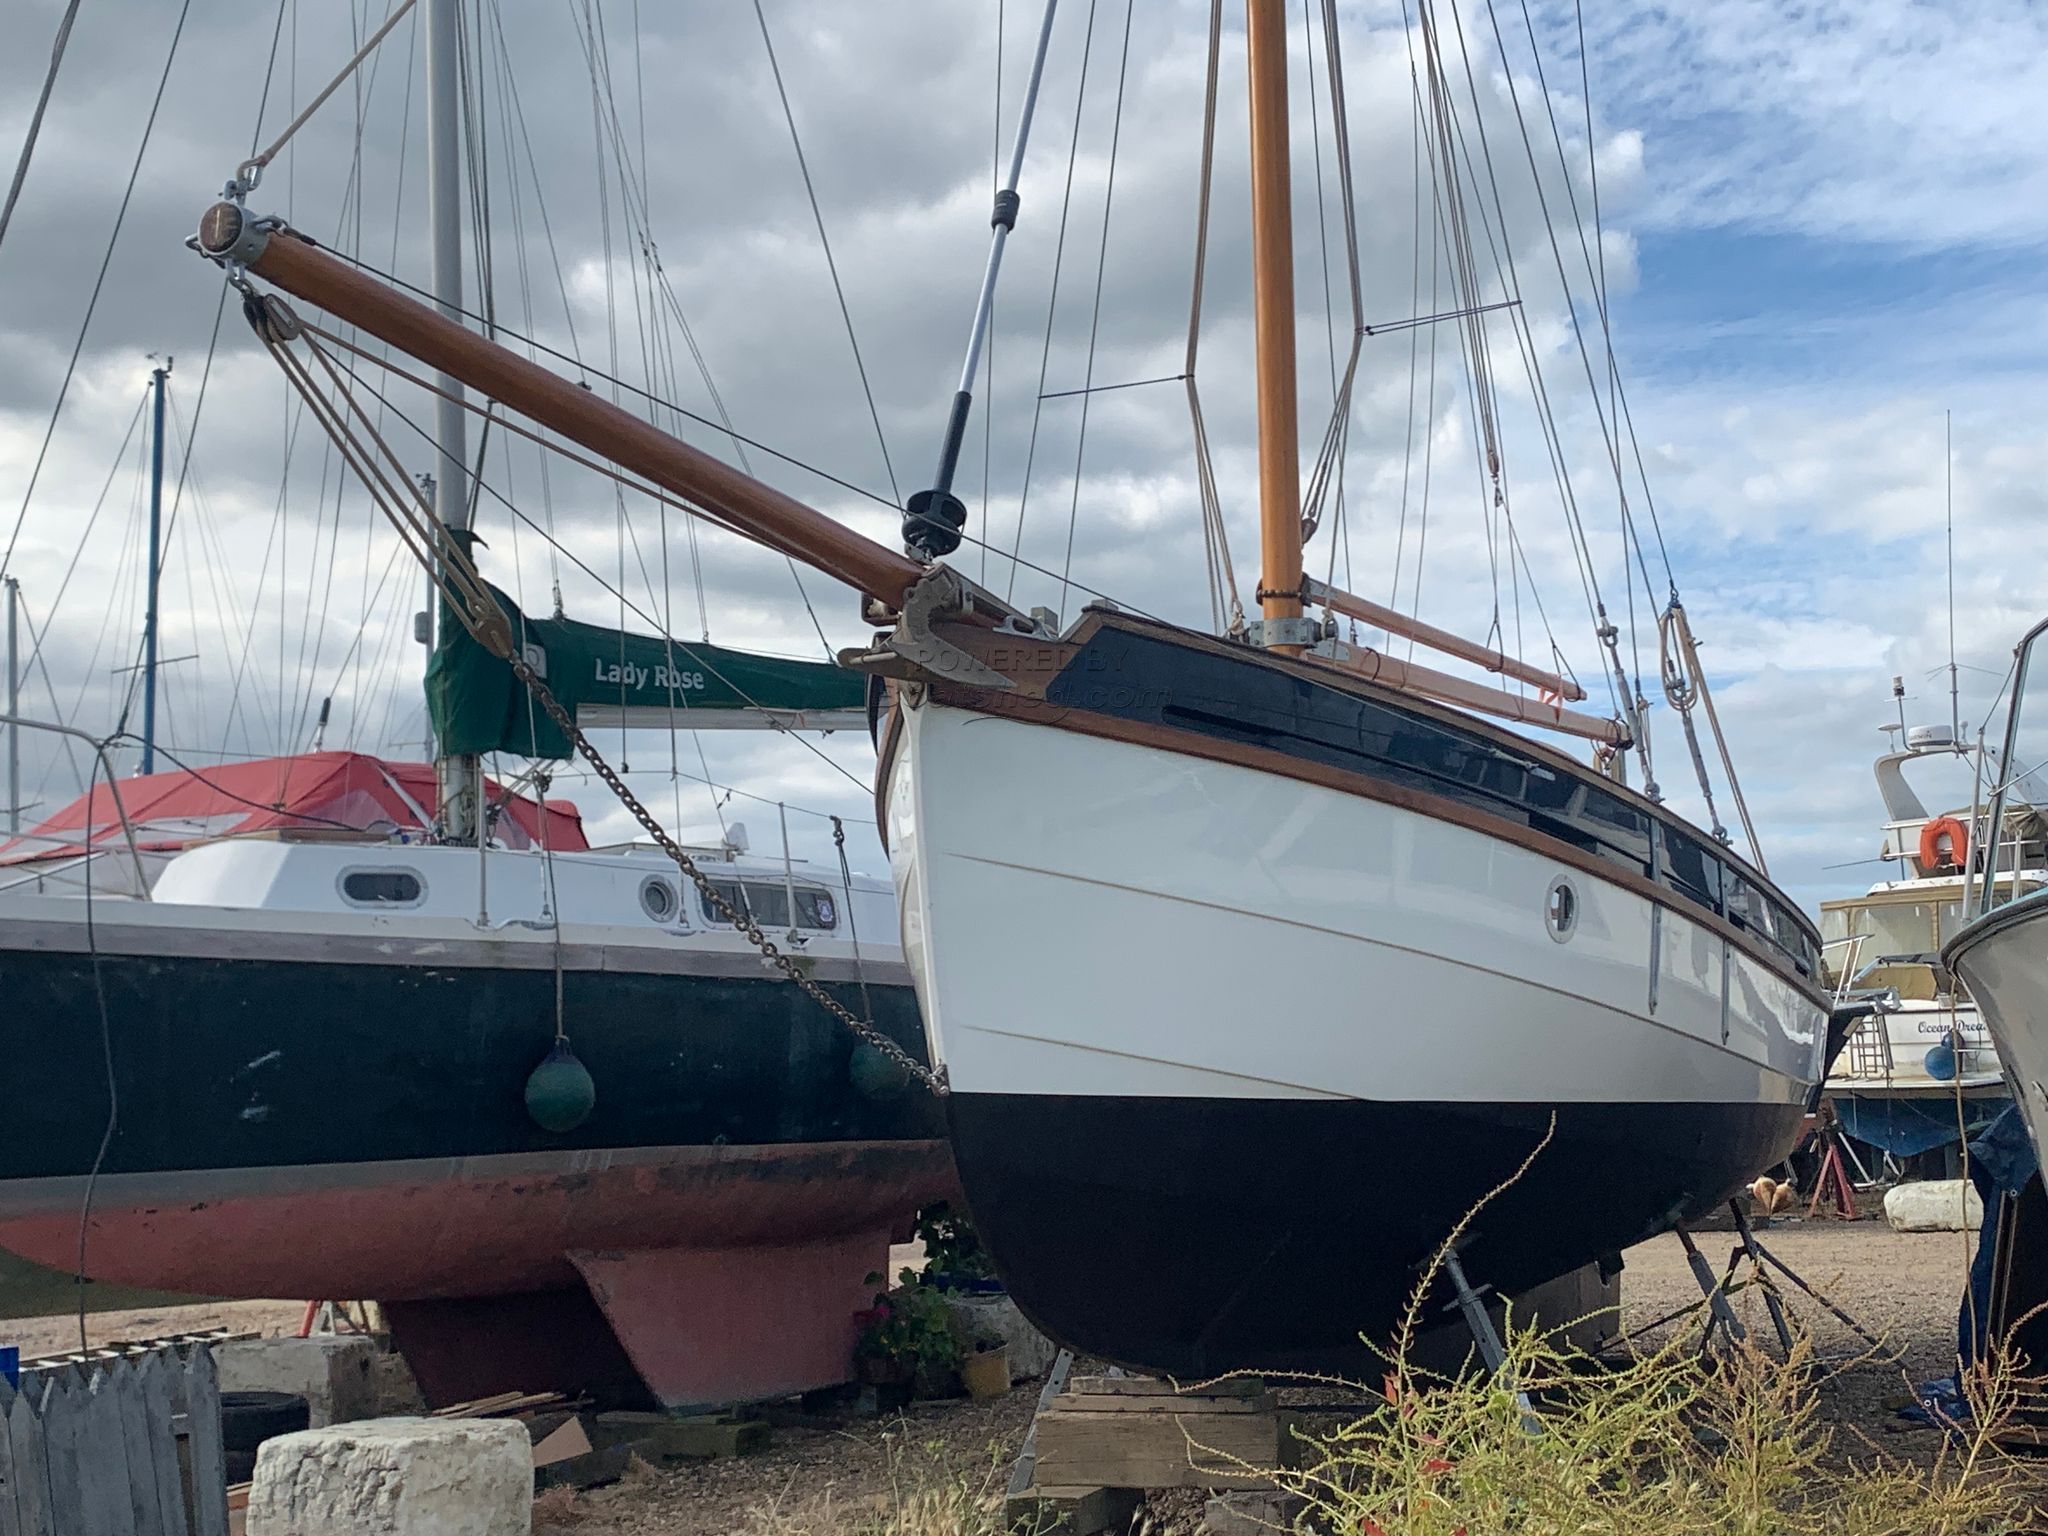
{"x": 309, "y": 790}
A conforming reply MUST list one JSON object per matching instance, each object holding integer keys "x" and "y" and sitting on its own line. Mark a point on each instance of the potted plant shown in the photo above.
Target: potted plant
{"x": 985, "y": 1367}
{"x": 906, "y": 1340}
{"x": 954, "y": 1257}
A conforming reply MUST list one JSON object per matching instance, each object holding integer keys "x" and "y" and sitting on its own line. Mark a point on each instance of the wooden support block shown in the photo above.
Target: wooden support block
{"x": 663, "y": 1437}
{"x": 1184, "y": 1443}
{"x": 1071, "y": 1511}
{"x": 589, "y": 1470}
{"x": 1152, "y": 1386}
{"x": 1074, "y": 1402}
{"x": 721, "y": 1436}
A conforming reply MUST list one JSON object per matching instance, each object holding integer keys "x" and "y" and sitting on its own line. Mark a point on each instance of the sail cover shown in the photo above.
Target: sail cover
{"x": 613, "y": 677}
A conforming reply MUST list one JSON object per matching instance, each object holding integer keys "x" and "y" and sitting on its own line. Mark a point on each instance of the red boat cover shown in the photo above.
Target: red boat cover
{"x": 313, "y": 789}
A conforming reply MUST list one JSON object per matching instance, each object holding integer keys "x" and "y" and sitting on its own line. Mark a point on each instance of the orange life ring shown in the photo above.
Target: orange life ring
{"x": 1939, "y": 830}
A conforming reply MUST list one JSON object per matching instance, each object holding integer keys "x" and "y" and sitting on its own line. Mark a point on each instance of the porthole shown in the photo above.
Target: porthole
{"x": 381, "y": 888}
{"x": 1561, "y": 909}
{"x": 658, "y": 899}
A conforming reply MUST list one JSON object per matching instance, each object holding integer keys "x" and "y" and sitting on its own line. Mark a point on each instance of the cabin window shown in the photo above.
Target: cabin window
{"x": 382, "y": 888}
{"x": 769, "y": 904}
{"x": 1690, "y": 869}
{"x": 658, "y": 899}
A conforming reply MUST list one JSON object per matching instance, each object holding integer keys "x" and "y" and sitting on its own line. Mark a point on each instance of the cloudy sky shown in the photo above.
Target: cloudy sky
{"x": 1821, "y": 226}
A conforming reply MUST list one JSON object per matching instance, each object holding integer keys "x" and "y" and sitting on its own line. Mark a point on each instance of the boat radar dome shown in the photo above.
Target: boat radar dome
{"x": 736, "y": 837}
{"x": 1922, "y": 737}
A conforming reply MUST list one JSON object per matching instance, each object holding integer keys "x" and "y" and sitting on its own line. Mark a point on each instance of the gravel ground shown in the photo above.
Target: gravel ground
{"x": 1903, "y": 1288}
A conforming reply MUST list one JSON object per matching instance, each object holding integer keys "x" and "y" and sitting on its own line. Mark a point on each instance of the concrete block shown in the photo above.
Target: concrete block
{"x": 1934, "y": 1205}
{"x": 396, "y": 1477}
{"x": 1031, "y": 1352}
{"x": 336, "y": 1373}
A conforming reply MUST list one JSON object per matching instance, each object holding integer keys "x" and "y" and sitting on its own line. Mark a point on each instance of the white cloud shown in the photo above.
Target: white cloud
{"x": 1796, "y": 458}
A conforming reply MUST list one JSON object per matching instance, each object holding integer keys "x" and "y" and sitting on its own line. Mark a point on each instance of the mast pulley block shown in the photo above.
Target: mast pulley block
{"x": 271, "y": 318}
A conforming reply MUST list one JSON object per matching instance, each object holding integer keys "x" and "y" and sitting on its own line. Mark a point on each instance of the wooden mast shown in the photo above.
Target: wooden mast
{"x": 1273, "y": 314}
{"x": 762, "y": 513}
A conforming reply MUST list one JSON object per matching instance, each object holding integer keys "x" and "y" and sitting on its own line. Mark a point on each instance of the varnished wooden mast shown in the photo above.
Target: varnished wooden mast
{"x": 1273, "y": 313}
{"x": 759, "y": 511}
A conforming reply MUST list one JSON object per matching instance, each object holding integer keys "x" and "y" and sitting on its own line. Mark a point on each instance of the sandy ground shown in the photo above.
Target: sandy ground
{"x": 54, "y": 1335}
{"x": 1903, "y": 1288}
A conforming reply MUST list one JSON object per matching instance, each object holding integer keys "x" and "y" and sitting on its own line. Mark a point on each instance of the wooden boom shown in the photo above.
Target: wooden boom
{"x": 762, "y": 513}
{"x": 1395, "y": 622}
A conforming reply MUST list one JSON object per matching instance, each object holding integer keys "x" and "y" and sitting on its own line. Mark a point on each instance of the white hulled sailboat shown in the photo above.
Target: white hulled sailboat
{"x": 1219, "y": 941}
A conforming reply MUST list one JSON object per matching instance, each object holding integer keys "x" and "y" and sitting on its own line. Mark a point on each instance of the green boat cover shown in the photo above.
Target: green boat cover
{"x": 611, "y": 677}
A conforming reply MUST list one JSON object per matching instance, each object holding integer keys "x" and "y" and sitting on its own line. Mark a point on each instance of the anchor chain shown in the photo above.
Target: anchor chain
{"x": 739, "y": 917}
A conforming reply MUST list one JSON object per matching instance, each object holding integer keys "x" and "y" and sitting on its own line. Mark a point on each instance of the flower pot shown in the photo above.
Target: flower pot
{"x": 886, "y": 1371}
{"x": 987, "y": 1374}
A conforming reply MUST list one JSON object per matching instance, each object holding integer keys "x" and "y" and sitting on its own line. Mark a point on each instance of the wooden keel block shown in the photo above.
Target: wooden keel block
{"x": 659, "y": 1437}
{"x": 1235, "y": 1387}
{"x": 1122, "y": 1432}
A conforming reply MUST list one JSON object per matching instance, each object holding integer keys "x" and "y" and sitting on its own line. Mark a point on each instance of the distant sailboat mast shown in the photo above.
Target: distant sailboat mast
{"x": 158, "y": 378}
{"x": 456, "y": 774}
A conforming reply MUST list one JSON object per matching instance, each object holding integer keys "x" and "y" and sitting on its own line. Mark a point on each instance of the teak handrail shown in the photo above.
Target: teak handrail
{"x": 1408, "y": 677}
{"x": 1395, "y": 622}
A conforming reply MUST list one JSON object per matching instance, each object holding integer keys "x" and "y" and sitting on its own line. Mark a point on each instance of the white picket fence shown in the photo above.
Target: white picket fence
{"x": 128, "y": 1447}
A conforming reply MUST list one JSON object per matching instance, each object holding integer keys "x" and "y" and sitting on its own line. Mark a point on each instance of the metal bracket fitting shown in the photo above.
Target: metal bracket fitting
{"x": 912, "y": 652}
{"x": 229, "y": 234}
{"x": 1271, "y": 632}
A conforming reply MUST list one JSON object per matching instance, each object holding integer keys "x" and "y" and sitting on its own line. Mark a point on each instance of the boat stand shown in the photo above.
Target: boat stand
{"x": 1749, "y": 1248}
{"x": 1471, "y": 1305}
{"x": 1762, "y": 1262}
{"x": 1719, "y": 1313}
{"x": 1763, "y": 1256}
{"x": 1832, "y": 1179}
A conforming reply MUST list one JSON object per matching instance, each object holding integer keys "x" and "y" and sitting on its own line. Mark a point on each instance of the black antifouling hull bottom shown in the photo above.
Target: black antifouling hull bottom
{"x": 1194, "y": 1236}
